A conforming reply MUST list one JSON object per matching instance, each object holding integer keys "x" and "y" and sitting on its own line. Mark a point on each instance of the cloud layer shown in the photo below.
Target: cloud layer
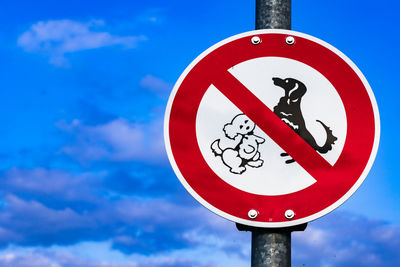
{"x": 340, "y": 240}
{"x": 59, "y": 37}
{"x": 44, "y": 208}
{"x": 346, "y": 239}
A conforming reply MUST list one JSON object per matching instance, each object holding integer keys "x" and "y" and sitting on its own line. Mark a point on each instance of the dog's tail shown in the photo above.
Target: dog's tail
{"x": 330, "y": 140}
{"x": 215, "y": 148}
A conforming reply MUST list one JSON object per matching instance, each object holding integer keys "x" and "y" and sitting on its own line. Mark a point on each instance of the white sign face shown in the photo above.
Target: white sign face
{"x": 274, "y": 176}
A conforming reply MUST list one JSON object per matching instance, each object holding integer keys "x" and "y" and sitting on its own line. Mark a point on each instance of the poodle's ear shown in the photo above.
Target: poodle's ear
{"x": 230, "y": 131}
{"x": 259, "y": 140}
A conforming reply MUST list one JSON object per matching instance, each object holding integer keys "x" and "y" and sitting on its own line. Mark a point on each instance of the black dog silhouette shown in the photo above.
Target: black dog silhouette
{"x": 288, "y": 110}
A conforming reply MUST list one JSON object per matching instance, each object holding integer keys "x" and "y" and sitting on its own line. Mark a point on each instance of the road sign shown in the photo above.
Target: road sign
{"x": 271, "y": 128}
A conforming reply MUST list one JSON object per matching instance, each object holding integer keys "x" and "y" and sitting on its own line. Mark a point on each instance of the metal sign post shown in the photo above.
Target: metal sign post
{"x": 271, "y": 247}
{"x": 273, "y": 14}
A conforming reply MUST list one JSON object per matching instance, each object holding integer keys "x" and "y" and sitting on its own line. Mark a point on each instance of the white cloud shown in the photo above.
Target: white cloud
{"x": 156, "y": 85}
{"x": 152, "y": 15}
{"x": 315, "y": 237}
{"x": 29, "y": 260}
{"x": 94, "y": 254}
{"x": 50, "y": 182}
{"x": 60, "y": 219}
{"x": 59, "y": 37}
{"x": 117, "y": 140}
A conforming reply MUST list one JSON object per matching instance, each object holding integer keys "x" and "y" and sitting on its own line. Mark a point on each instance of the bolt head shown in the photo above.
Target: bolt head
{"x": 290, "y": 40}
{"x": 252, "y": 214}
{"x": 289, "y": 214}
{"x": 255, "y": 40}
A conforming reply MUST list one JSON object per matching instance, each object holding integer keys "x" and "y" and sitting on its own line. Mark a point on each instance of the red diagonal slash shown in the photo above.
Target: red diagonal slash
{"x": 274, "y": 127}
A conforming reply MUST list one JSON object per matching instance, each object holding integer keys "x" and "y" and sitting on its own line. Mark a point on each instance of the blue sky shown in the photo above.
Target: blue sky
{"x": 84, "y": 178}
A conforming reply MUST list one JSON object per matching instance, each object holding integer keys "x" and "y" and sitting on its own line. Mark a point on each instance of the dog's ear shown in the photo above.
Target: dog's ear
{"x": 230, "y": 131}
{"x": 297, "y": 93}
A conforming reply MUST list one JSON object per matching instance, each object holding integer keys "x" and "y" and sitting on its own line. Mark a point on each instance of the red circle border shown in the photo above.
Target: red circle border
{"x": 337, "y": 182}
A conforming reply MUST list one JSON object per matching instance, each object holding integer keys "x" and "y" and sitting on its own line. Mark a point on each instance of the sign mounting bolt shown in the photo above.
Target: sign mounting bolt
{"x": 255, "y": 40}
{"x": 290, "y": 40}
{"x": 253, "y": 214}
{"x": 289, "y": 214}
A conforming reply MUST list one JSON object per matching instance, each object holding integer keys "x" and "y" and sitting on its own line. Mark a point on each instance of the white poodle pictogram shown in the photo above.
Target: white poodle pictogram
{"x": 244, "y": 151}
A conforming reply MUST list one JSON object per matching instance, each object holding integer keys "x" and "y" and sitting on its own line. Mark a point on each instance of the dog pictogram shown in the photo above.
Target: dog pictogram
{"x": 288, "y": 110}
{"x": 244, "y": 149}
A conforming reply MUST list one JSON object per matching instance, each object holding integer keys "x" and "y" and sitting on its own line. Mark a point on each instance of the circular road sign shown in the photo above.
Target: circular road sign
{"x": 271, "y": 128}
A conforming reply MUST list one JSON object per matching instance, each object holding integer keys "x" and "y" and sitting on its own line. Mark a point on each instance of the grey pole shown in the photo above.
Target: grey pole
{"x": 273, "y": 14}
{"x": 272, "y": 247}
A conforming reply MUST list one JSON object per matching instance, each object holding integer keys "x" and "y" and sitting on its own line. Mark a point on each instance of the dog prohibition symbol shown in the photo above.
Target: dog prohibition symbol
{"x": 243, "y": 151}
